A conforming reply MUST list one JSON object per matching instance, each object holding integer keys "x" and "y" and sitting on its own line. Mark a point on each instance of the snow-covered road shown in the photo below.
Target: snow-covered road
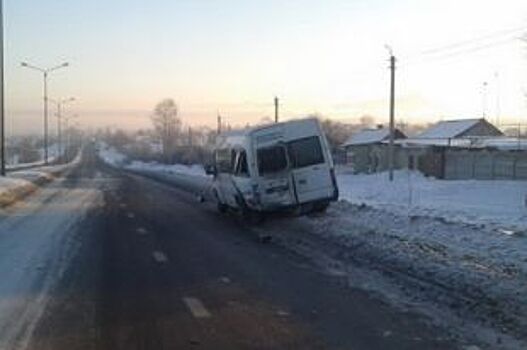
{"x": 37, "y": 239}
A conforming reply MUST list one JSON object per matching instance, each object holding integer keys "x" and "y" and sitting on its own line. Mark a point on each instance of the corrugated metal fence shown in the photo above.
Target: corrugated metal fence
{"x": 486, "y": 165}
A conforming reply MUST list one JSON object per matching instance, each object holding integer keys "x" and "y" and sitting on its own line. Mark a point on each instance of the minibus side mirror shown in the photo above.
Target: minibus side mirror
{"x": 210, "y": 169}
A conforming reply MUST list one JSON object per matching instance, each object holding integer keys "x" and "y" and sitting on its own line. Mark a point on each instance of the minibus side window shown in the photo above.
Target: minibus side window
{"x": 305, "y": 152}
{"x": 242, "y": 168}
{"x": 224, "y": 161}
{"x": 271, "y": 160}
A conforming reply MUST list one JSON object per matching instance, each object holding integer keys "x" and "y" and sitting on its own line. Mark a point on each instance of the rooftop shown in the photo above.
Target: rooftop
{"x": 448, "y": 129}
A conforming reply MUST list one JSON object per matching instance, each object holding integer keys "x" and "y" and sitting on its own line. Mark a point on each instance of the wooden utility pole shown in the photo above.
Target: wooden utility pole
{"x": 392, "y": 116}
{"x": 219, "y": 123}
{"x": 276, "y": 109}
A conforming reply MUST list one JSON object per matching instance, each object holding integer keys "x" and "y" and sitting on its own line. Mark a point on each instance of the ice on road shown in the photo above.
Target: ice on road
{"x": 37, "y": 239}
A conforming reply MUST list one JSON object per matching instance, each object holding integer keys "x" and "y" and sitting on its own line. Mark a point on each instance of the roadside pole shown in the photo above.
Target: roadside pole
{"x": 276, "y": 109}
{"x": 392, "y": 116}
{"x": 2, "y": 93}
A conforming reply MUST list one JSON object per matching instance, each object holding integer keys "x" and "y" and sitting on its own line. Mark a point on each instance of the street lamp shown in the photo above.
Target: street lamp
{"x": 68, "y": 132}
{"x": 59, "y": 104}
{"x": 45, "y": 72}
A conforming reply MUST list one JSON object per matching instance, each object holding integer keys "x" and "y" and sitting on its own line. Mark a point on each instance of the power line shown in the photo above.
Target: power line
{"x": 475, "y": 40}
{"x": 481, "y": 43}
{"x": 456, "y": 53}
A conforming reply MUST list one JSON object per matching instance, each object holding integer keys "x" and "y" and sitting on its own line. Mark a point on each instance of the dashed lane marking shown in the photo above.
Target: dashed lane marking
{"x": 196, "y": 307}
{"x": 160, "y": 257}
{"x": 130, "y": 215}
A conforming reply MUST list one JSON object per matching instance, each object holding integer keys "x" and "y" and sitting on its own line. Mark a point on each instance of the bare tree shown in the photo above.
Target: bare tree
{"x": 336, "y": 132}
{"x": 367, "y": 121}
{"x": 166, "y": 126}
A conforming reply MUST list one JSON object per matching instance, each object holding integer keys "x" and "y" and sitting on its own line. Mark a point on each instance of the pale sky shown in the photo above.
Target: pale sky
{"x": 324, "y": 56}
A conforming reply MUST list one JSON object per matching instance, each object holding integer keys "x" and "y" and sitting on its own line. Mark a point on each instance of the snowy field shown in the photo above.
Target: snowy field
{"x": 501, "y": 204}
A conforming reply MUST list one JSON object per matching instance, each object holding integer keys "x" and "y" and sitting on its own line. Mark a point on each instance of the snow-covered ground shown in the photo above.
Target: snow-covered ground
{"x": 36, "y": 243}
{"x": 37, "y": 240}
{"x": 19, "y": 183}
{"x": 113, "y": 157}
{"x": 501, "y": 204}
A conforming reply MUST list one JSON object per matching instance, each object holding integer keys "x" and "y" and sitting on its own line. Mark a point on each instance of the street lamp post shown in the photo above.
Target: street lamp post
{"x": 60, "y": 104}
{"x": 67, "y": 131}
{"x": 2, "y": 93}
{"x": 45, "y": 72}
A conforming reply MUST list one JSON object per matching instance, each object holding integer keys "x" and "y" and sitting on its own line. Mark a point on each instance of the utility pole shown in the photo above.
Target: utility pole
{"x": 60, "y": 109}
{"x": 46, "y": 118}
{"x": 276, "y": 109}
{"x": 392, "y": 115}
{"x": 484, "y": 100}
{"x": 219, "y": 123}
{"x": 2, "y": 93}
{"x": 59, "y": 129}
{"x": 190, "y": 136}
{"x": 498, "y": 98}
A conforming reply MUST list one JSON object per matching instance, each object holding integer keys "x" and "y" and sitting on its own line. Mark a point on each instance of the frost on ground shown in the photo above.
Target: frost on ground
{"x": 37, "y": 240}
{"x": 500, "y": 204}
{"x": 466, "y": 277}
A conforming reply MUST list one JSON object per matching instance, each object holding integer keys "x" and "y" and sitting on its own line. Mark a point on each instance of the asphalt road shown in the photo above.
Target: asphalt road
{"x": 156, "y": 269}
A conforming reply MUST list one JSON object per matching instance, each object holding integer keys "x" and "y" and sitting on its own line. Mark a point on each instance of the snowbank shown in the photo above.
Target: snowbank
{"x": 113, "y": 157}
{"x": 12, "y": 188}
{"x": 53, "y": 155}
{"x": 193, "y": 170}
{"x": 498, "y": 203}
{"x": 19, "y": 184}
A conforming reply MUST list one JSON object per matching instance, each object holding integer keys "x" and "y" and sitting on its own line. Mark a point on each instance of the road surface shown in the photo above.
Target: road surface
{"x": 106, "y": 259}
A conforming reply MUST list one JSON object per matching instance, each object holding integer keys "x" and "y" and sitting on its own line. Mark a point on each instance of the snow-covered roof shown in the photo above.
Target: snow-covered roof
{"x": 368, "y": 136}
{"x": 448, "y": 129}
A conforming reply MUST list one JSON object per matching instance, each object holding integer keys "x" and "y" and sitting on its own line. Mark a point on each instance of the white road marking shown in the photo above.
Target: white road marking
{"x": 122, "y": 205}
{"x": 196, "y": 307}
{"x": 141, "y": 231}
{"x": 160, "y": 257}
{"x": 130, "y": 215}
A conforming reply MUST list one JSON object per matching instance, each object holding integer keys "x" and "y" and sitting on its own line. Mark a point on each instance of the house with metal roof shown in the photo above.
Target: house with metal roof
{"x": 366, "y": 150}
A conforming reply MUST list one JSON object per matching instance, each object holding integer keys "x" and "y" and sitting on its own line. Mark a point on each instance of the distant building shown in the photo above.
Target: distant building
{"x": 453, "y": 149}
{"x": 366, "y": 151}
{"x": 446, "y": 131}
{"x": 465, "y": 149}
